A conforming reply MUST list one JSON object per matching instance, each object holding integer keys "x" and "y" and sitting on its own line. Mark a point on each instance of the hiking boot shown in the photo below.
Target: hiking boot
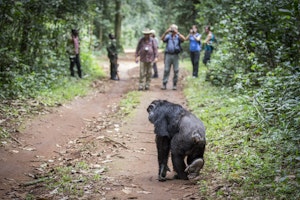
{"x": 174, "y": 87}
{"x": 164, "y": 87}
{"x": 140, "y": 88}
{"x": 147, "y": 88}
{"x": 155, "y": 76}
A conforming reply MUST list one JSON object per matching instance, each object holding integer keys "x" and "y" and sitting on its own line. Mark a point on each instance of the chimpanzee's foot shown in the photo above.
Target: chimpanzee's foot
{"x": 194, "y": 168}
{"x": 163, "y": 172}
{"x": 182, "y": 176}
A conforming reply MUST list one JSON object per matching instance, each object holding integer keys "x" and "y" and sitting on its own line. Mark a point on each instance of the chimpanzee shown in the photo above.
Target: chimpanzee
{"x": 179, "y": 131}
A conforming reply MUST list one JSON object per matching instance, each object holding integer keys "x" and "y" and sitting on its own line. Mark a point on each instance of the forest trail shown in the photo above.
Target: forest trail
{"x": 87, "y": 130}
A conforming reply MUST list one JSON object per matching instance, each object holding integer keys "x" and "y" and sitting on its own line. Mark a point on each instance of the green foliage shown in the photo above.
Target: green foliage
{"x": 258, "y": 57}
{"x": 258, "y": 37}
{"x": 54, "y": 80}
{"x": 34, "y": 35}
{"x": 144, "y": 15}
{"x": 278, "y": 101}
{"x": 129, "y": 103}
{"x": 241, "y": 154}
{"x": 69, "y": 180}
{"x": 31, "y": 92}
{"x": 66, "y": 88}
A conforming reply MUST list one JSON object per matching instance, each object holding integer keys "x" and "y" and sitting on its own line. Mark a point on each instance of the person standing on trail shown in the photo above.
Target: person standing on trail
{"x": 195, "y": 47}
{"x": 73, "y": 49}
{"x": 112, "y": 54}
{"x": 154, "y": 65}
{"x": 146, "y": 53}
{"x": 172, "y": 38}
{"x": 210, "y": 38}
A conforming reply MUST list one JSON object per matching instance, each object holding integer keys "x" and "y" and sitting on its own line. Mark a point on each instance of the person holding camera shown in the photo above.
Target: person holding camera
{"x": 195, "y": 47}
{"x": 172, "y": 38}
{"x": 147, "y": 53}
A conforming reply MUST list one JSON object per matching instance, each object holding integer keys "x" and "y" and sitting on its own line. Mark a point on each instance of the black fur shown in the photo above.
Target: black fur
{"x": 179, "y": 131}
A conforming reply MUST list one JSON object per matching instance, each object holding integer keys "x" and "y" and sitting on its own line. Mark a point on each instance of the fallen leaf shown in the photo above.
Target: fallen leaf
{"x": 29, "y": 149}
{"x": 127, "y": 190}
{"x": 14, "y": 151}
{"x": 143, "y": 192}
{"x": 106, "y": 161}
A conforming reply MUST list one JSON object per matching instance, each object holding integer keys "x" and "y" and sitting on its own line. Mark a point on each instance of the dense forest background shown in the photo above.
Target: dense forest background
{"x": 257, "y": 54}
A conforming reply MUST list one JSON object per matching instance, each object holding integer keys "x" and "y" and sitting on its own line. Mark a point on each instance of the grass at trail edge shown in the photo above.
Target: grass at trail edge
{"x": 241, "y": 159}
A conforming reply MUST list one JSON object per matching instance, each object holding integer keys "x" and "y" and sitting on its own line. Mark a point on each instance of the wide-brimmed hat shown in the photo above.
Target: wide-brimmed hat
{"x": 152, "y": 31}
{"x": 174, "y": 26}
{"x": 146, "y": 31}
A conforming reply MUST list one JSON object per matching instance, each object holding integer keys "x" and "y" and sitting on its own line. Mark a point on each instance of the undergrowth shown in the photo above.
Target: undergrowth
{"x": 39, "y": 90}
{"x": 69, "y": 87}
{"x": 242, "y": 159}
{"x": 129, "y": 103}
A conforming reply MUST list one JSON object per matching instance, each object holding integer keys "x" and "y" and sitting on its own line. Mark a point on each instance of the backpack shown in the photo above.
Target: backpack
{"x": 215, "y": 42}
{"x": 179, "y": 48}
{"x": 199, "y": 40}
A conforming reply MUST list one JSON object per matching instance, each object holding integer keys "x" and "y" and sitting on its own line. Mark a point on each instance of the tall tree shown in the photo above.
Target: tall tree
{"x": 118, "y": 21}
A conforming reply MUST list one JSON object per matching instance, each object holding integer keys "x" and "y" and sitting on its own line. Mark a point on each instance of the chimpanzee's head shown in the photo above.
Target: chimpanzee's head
{"x": 157, "y": 108}
{"x": 151, "y": 110}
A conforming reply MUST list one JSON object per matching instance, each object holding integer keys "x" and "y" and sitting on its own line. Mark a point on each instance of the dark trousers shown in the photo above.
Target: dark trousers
{"x": 207, "y": 55}
{"x": 154, "y": 66}
{"x": 195, "y": 56}
{"x": 113, "y": 69}
{"x": 73, "y": 61}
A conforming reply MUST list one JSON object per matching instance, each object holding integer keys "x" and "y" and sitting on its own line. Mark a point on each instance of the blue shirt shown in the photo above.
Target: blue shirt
{"x": 194, "y": 44}
{"x": 172, "y": 42}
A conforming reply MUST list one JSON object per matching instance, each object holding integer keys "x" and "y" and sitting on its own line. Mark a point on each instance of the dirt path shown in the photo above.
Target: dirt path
{"x": 80, "y": 130}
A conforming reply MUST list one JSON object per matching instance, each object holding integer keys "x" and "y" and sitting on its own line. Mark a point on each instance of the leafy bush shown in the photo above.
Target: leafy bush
{"x": 243, "y": 158}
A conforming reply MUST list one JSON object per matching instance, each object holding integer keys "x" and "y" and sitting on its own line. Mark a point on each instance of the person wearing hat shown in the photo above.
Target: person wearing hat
{"x": 172, "y": 38}
{"x": 146, "y": 53}
{"x": 154, "y": 65}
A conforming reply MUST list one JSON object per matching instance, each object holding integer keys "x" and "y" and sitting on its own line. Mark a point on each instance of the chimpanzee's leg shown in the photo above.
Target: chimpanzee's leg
{"x": 163, "y": 149}
{"x": 179, "y": 165}
{"x": 195, "y": 161}
{"x": 194, "y": 168}
{"x": 196, "y": 153}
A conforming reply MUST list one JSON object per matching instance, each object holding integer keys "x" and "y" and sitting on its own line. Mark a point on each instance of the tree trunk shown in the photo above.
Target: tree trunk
{"x": 24, "y": 36}
{"x": 118, "y": 23}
